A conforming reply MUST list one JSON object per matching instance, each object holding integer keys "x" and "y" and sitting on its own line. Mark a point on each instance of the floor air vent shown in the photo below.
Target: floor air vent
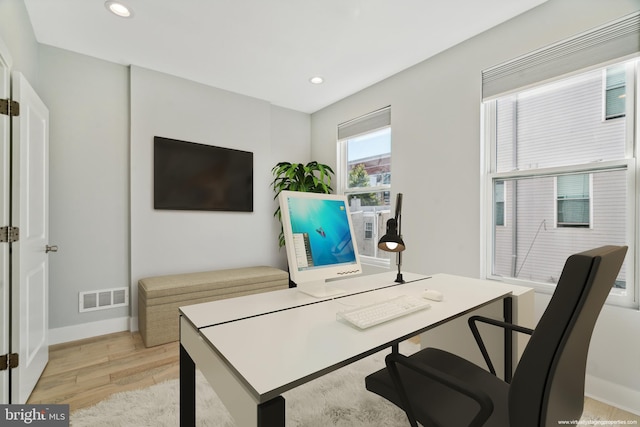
{"x": 103, "y": 299}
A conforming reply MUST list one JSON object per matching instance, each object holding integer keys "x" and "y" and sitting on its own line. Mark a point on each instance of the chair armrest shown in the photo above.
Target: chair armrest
{"x": 476, "y": 334}
{"x": 482, "y": 398}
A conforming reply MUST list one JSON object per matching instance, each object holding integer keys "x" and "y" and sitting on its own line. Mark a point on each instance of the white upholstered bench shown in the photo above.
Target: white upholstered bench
{"x": 159, "y": 297}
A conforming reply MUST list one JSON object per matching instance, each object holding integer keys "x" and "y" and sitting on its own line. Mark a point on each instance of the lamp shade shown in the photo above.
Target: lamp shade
{"x": 391, "y": 241}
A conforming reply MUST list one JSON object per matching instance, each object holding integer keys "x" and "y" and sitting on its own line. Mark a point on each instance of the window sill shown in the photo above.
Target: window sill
{"x": 616, "y": 298}
{"x": 375, "y": 262}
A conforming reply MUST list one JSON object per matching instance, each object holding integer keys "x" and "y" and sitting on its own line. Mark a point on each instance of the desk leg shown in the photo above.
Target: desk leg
{"x": 271, "y": 413}
{"x": 187, "y": 389}
{"x": 508, "y": 340}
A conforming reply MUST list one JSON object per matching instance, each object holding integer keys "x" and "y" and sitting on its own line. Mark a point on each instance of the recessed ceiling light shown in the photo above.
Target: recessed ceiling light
{"x": 316, "y": 80}
{"x": 119, "y": 9}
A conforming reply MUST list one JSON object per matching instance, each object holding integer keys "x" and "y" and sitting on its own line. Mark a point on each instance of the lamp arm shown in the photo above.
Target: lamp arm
{"x": 399, "y": 278}
{"x": 398, "y": 206}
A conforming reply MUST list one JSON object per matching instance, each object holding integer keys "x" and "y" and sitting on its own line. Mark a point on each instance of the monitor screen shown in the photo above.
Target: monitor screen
{"x": 319, "y": 240}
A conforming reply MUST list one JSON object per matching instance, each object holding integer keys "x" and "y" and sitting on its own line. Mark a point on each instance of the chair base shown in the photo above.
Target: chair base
{"x": 444, "y": 406}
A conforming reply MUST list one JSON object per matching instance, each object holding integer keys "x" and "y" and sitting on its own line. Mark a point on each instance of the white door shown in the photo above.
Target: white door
{"x": 4, "y": 221}
{"x": 30, "y": 213}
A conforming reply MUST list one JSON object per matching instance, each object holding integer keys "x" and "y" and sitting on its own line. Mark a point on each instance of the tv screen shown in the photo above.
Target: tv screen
{"x": 191, "y": 176}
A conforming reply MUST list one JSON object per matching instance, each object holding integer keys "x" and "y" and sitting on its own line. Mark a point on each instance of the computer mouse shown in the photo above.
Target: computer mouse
{"x": 432, "y": 294}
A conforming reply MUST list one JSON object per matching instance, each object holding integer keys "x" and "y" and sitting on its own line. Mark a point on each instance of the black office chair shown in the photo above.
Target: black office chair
{"x": 438, "y": 388}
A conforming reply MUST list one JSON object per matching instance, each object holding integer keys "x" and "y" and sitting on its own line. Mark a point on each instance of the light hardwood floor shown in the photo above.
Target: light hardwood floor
{"x": 82, "y": 373}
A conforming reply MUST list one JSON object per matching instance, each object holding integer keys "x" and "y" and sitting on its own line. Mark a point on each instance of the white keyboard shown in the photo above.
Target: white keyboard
{"x": 383, "y": 311}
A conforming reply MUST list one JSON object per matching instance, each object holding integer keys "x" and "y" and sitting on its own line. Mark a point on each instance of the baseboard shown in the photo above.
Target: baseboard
{"x": 613, "y": 394}
{"x": 88, "y": 330}
{"x": 133, "y": 324}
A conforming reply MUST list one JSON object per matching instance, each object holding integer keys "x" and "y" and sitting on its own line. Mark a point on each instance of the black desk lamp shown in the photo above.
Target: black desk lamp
{"x": 392, "y": 240}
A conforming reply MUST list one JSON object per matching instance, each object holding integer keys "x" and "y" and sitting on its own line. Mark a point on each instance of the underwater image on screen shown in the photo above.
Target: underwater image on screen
{"x": 325, "y": 227}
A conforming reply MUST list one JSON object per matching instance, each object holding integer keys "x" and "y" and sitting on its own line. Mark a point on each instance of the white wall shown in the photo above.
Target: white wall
{"x": 290, "y": 142}
{"x": 89, "y": 163}
{"x": 90, "y": 170}
{"x": 87, "y": 100}
{"x": 166, "y": 242}
{"x": 435, "y": 119}
{"x": 18, "y": 36}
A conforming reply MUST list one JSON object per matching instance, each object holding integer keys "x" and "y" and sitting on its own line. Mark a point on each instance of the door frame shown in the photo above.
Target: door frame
{"x": 6, "y": 63}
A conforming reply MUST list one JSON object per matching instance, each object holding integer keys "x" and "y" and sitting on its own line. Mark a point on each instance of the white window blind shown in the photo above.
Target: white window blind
{"x": 367, "y": 123}
{"x": 599, "y": 45}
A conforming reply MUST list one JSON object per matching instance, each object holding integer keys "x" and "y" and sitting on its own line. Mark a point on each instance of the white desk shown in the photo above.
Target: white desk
{"x": 254, "y": 348}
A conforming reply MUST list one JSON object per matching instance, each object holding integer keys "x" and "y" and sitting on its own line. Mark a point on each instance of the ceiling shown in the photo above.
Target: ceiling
{"x": 269, "y": 49}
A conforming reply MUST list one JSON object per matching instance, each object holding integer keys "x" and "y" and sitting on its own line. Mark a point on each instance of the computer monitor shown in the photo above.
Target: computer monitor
{"x": 319, "y": 240}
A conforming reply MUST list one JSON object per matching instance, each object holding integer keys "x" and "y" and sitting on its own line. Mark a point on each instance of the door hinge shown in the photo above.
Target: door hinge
{"x": 9, "y": 234}
{"x": 8, "y": 361}
{"x": 9, "y": 107}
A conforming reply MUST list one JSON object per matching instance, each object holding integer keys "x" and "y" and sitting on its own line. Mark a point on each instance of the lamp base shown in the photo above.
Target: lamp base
{"x": 399, "y": 278}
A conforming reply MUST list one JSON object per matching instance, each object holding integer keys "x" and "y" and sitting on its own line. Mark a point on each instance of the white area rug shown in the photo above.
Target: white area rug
{"x": 336, "y": 399}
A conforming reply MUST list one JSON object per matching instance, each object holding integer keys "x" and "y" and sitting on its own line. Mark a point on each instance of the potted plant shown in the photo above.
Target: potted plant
{"x": 313, "y": 177}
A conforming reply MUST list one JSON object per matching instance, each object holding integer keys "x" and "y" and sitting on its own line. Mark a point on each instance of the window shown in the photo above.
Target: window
{"x": 565, "y": 177}
{"x": 498, "y": 198}
{"x": 364, "y": 175}
{"x": 368, "y": 230}
{"x": 573, "y": 200}
{"x": 615, "y": 92}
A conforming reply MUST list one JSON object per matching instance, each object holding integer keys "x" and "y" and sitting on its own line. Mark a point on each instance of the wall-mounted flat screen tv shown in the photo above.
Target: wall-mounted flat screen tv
{"x": 191, "y": 176}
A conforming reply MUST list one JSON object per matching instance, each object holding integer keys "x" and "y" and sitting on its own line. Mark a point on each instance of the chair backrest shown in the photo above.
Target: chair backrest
{"x": 548, "y": 384}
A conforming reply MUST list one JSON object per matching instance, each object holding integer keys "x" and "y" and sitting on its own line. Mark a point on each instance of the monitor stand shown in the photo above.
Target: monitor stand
{"x": 319, "y": 289}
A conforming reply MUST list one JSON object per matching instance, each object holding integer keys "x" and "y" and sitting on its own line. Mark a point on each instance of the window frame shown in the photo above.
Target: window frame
{"x": 629, "y": 163}
{"x": 504, "y": 204}
{"x": 556, "y": 213}
{"x": 343, "y": 188}
{"x": 605, "y": 90}
{"x": 368, "y": 230}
